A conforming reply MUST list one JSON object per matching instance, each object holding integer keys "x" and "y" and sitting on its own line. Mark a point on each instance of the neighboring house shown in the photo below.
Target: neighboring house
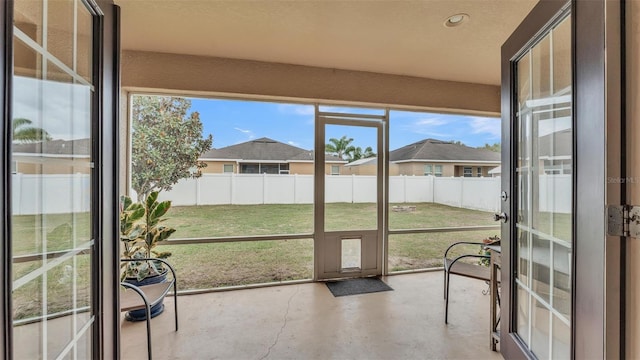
{"x": 443, "y": 158}
{"x": 432, "y": 157}
{"x": 52, "y": 157}
{"x": 266, "y": 156}
{"x": 368, "y": 166}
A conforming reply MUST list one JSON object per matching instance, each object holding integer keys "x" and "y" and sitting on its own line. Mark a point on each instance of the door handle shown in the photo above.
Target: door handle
{"x": 500, "y": 217}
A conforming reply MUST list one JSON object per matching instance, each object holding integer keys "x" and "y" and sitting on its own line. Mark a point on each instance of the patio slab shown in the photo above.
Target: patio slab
{"x": 305, "y": 321}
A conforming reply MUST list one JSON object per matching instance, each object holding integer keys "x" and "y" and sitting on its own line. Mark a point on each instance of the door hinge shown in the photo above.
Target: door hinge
{"x": 623, "y": 220}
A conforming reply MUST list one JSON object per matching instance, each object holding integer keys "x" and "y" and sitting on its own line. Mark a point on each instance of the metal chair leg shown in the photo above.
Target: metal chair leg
{"x": 175, "y": 301}
{"x": 148, "y": 311}
{"x": 444, "y": 291}
{"x": 446, "y": 301}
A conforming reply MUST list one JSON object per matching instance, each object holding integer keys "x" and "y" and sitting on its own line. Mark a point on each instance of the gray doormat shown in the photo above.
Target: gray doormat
{"x": 357, "y": 286}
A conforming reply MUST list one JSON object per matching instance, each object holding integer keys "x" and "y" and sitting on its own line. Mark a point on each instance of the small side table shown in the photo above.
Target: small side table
{"x": 494, "y": 267}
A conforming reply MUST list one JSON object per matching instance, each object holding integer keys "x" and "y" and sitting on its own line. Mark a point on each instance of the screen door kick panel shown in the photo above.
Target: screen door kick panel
{"x": 355, "y": 253}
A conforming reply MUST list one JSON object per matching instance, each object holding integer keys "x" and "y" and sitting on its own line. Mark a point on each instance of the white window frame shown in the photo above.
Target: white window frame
{"x": 337, "y": 168}
{"x": 438, "y": 171}
{"x": 428, "y": 169}
{"x": 466, "y": 173}
{"x": 224, "y": 168}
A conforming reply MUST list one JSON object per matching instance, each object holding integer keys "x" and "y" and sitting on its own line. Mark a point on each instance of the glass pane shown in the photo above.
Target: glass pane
{"x": 524, "y": 256}
{"x": 540, "y": 276}
{"x": 524, "y": 80}
{"x": 27, "y": 62}
{"x": 60, "y": 36}
{"x": 522, "y": 313}
{"x": 562, "y": 57}
{"x": 562, "y": 279}
{"x": 60, "y": 281}
{"x": 544, "y": 185}
{"x": 541, "y": 69}
{"x": 27, "y": 18}
{"x": 561, "y": 341}
{"x": 352, "y": 197}
{"x": 540, "y": 321}
{"x": 27, "y": 338}
{"x": 351, "y": 254}
{"x": 84, "y": 42}
{"x": 83, "y": 346}
{"x": 51, "y": 188}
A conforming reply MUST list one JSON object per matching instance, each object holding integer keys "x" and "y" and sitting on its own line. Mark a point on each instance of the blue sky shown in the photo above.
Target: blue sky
{"x": 233, "y": 121}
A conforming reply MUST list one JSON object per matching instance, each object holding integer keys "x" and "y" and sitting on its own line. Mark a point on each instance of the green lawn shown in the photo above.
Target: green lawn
{"x": 246, "y": 220}
{"x": 202, "y": 266}
{"x": 225, "y": 264}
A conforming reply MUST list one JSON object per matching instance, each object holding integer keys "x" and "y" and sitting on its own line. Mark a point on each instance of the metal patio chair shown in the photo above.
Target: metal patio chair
{"x": 146, "y": 296}
{"x": 456, "y": 267}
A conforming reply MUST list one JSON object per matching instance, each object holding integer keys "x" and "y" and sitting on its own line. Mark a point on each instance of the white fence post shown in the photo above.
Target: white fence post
{"x": 404, "y": 191}
{"x": 353, "y": 188}
{"x": 197, "y": 191}
{"x": 232, "y": 187}
{"x": 264, "y": 188}
{"x": 461, "y": 181}
{"x": 295, "y": 185}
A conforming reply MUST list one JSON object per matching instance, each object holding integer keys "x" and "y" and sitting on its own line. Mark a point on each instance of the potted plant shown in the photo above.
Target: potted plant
{"x": 141, "y": 229}
{"x": 495, "y": 240}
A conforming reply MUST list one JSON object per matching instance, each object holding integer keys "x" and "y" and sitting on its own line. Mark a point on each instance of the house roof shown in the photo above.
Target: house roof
{"x": 432, "y": 149}
{"x": 78, "y": 147}
{"x": 264, "y": 149}
{"x": 366, "y": 161}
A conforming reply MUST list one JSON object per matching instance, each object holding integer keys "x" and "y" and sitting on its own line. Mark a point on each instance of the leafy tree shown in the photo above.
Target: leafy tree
{"x": 166, "y": 143}
{"x": 340, "y": 147}
{"x": 495, "y": 147}
{"x": 358, "y": 154}
{"x": 22, "y": 131}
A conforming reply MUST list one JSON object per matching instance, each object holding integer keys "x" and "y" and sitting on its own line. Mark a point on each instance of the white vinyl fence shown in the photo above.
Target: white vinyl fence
{"x": 469, "y": 193}
{"x": 51, "y": 194}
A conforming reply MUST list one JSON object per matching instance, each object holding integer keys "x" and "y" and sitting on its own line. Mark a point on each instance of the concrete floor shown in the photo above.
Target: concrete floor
{"x": 305, "y": 321}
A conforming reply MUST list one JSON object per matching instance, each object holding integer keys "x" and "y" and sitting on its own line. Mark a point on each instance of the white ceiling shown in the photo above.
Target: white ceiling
{"x": 393, "y": 37}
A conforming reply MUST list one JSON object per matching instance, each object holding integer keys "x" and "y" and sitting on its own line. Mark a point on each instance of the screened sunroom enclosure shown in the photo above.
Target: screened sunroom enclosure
{"x": 330, "y": 214}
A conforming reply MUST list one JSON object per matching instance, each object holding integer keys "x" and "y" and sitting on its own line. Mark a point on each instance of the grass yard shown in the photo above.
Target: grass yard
{"x": 202, "y": 266}
{"x": 247, "y": 220}
{"x": 249, "y": 262}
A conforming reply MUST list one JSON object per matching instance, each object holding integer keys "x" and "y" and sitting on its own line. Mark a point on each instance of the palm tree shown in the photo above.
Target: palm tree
{"x": 340, "y": 147}
{"x": 358, "y": 154}
{"x": 22, "y": 131}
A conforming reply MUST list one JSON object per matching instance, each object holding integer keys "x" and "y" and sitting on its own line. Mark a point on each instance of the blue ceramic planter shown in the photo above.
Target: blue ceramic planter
{"x": 140, "y": 315}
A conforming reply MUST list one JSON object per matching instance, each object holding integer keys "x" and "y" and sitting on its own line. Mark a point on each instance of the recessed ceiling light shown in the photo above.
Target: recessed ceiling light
{"x": 456, "y": 20}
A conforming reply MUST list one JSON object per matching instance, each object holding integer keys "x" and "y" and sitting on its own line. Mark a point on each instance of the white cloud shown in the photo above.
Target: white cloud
{"x": 430, "y": 126}
{"x": 242, "y": 130}
{"x": 491, "y": 126}
{"x": 249, "y": 133}
{"x": 431, "y": 122}
{"x": 293, "y": 143}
